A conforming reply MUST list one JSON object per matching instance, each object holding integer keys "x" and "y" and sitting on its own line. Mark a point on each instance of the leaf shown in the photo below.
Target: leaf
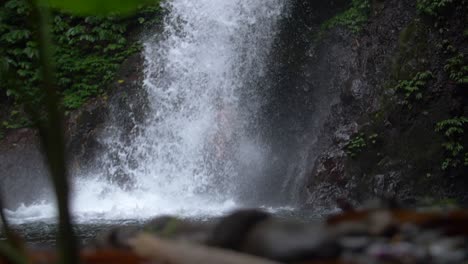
{"x": 16, "y": 35}
{"x": 97, "y": 7}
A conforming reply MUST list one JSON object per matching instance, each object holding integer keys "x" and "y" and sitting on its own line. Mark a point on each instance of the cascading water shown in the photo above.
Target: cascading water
{"x": 192, "y": 154}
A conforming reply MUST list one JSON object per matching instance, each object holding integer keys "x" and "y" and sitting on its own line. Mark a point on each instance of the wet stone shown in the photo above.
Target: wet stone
{"x": 291, "y": 241}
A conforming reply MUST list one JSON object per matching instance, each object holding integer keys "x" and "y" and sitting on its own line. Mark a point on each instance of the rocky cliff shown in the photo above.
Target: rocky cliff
{"x": 379, "y": 95}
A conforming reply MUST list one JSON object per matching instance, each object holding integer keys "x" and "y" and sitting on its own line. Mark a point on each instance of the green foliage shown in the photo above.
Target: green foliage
{"x": 453, "y": 130}
{"x": 16, "y": 120}
{"x": 446, "y": 47}
{"x": 358, "y": 143}
{"x": 98, "y": 7}
{"x": 457, "y": 68}
{"x": 88, "y": 50}
{"x": 412, "y": 90}
{"x": 373, "y": 139}
{"x": 17, "y": 50}
{"x": 432, "y": 7}
{"x": 447, "y": 203}
{"x": 353, "y": 18}
{"x": 444, "y": 203}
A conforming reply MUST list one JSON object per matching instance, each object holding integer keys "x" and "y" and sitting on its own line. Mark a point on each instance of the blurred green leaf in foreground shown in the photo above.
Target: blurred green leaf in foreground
{"x": 97, "y": 7}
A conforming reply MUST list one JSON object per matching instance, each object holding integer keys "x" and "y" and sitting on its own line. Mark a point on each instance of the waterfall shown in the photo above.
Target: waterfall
{"x": 199, "y": 149}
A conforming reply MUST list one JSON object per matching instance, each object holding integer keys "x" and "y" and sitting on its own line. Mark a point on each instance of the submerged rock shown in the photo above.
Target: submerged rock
{"x": 179, "y": 229}
{"x": 231, "y": 231}
{"x": 291, "y": 241}
{"x": 117, "y": 237}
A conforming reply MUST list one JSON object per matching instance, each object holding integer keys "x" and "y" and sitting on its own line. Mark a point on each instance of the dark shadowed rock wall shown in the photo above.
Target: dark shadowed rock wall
{"x": 23, "y": 176}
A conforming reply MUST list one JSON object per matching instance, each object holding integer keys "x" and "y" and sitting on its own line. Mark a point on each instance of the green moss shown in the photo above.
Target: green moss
{"x": 413, "y": 51}
{"x": 447, "y": 203}
{"x": 407, "y": 34}
{"x": 443, "y": 203}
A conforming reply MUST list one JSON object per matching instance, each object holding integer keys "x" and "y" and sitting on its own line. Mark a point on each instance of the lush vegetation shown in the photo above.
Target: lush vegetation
{"x": 454, "y": 130}
{"x": 88, "y": 52}
{"x": 358, "y": 143}
{"x": 412, "y": 90}
{"x": 433, "y": 7}
{"x": 457, "y": 68}
{"x": 427, "y": 84}
{"x": 352, "y": 19}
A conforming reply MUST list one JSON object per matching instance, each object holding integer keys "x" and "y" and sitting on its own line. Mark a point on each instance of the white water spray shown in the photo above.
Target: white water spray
{"x": 189, "y": 156}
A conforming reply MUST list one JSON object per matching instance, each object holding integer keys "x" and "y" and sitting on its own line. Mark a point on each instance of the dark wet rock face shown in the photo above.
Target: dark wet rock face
{"x": 22, "y": 169}
{"x": 351, "y": 76}
{"x": 296, "y": 100}
{"x": 351, "y": 70}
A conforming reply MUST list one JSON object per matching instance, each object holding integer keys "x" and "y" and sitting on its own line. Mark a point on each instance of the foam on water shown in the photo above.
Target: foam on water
{"x": 188, "y": 156}
{"x": 117, "y": 204}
